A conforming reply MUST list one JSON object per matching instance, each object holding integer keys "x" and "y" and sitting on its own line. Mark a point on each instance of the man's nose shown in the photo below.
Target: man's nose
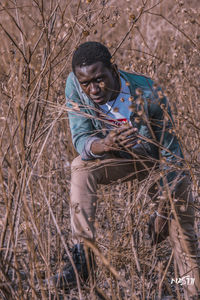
{"x": 94, "y": 88}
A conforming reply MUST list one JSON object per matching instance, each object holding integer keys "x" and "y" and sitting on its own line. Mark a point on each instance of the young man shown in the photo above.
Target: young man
{"x": 122, "y": 127}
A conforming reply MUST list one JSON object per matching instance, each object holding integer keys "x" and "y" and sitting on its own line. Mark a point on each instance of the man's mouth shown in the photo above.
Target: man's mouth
{"x": 98, "y": 99}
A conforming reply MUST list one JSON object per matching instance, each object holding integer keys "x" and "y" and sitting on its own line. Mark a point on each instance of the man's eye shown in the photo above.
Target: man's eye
{"x": 84, "y": 83}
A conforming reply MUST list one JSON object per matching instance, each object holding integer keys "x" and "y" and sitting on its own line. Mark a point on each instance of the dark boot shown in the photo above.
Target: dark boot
{"x": 67, "y": 278}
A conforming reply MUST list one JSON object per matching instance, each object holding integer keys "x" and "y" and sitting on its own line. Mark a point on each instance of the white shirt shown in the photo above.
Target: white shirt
{"x": 118, "y": 109}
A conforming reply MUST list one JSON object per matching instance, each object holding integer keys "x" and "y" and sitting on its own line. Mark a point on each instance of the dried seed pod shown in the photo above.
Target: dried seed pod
{"x": 112, "y": 60}
{"x": 96, "y": 225}
{"x": 75, "y": 105}
{"x": 138, "y": 91}
{"x": 140, "y": 101}
{"x": 163, "y": 160}
{"x": 160, "y": 95}
{"x": 162, "y": 106}
{"x": 77, "y": 208}
{"x": 130, "y": 98}
{"x": 140, "y": 112}
{"x": 85, "y": 33}
{"x": 182, "y": 208}
{"x": 132, "y": 17}
{"x": 155, "y": 86}
{"x": 102, "y": 84}
{"x": 137, "y": 120}
{"x": 131, "y": 107}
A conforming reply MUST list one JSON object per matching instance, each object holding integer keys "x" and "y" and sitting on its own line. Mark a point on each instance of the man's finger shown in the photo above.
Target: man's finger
{"x": 129, "y": 142}
{"x": 127, "y": 131}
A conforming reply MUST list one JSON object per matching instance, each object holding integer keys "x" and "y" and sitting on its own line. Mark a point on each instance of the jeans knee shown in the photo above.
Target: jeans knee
{"x": 76, "y": 162}
{"x": 78, "y": 165}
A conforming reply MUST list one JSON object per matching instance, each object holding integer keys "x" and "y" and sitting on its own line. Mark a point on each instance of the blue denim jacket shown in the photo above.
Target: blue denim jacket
{"x": 151, "y": 114}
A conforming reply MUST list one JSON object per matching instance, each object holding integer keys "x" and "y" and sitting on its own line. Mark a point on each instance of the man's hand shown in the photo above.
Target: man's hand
{"x": 117, "y": 139}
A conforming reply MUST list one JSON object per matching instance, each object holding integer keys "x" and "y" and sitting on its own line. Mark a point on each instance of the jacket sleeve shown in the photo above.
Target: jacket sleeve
{"x": 81, "y": 125}
{"x": 162, "y": 126}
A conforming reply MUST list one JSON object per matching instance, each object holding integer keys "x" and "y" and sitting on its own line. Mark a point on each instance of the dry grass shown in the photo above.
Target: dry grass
{"x": 158, "y": 38}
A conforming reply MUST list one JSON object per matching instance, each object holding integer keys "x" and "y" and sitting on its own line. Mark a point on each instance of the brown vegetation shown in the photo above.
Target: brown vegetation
{"x": 158, "y": 38}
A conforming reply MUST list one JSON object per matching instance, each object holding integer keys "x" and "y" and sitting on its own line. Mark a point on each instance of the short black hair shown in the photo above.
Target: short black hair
{"x": 89, "y": 53}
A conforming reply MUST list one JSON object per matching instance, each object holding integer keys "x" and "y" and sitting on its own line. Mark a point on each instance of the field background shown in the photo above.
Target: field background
{"x": 158, "y": 38}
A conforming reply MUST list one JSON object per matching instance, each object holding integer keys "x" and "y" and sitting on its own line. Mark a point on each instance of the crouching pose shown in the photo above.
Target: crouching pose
{"x": 122, "y": 127}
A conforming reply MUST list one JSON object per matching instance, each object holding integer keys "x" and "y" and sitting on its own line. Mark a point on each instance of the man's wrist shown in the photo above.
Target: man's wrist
{"x": 98, "y": 147}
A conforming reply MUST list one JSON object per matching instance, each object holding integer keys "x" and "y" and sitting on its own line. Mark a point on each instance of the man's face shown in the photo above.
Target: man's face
{"x": 98, "y": 82}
